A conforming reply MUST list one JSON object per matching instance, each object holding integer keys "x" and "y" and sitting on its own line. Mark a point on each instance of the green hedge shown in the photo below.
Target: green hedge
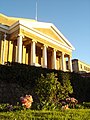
{"x": 86, "y": 104}
{"x": 81, "y": 87}
{"x": 17, "y": 80}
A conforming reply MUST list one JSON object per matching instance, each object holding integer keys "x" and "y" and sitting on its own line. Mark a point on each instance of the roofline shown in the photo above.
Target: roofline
{"x": 4, "y": 26}
{"x": 41, "y": 24}
{"x": 52, "y": 26}
{"x": 44, "y": 36}
{"x": 80, "y": 61}
{"x": 61, "y": 35}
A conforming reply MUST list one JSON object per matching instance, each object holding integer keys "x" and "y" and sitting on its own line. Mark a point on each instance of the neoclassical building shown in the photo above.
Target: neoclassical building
{"x": 80, "y": 66}
{"x": 34, "y": 43}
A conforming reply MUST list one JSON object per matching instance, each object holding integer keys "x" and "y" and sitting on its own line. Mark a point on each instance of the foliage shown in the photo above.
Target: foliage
{"x": 80, "y": 114}
{"x": 46, "y": 90}
{"x": 21, "y": 80}
{"x": 9, "y": 107}
{"x": 50, "y": 91}
{"x": 66, "y": 83}
{"x": 81, "y": 87}
{"x": 86, "y": 104}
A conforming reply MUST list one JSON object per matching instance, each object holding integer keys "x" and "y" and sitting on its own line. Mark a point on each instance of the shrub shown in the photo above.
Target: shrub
{"x": 50, "y": 91}
{"x": 21, "y": 80}
{"x": 86, "y": 105}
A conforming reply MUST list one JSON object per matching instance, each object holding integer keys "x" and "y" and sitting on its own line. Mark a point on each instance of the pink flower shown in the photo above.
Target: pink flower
{"x": 73, "y": 100}
{"x": 68, "y": 99}
{"x": 27, "y": 101}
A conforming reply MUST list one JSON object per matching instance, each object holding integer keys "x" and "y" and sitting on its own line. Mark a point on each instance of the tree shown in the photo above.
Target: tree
{"x": 50, "y": 91}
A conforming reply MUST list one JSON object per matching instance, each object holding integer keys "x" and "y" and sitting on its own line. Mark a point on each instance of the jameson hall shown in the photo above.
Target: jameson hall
{"x": 35, "y": 43}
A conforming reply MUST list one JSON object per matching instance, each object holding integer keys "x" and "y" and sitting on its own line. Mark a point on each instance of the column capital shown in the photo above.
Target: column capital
{"x": 54, "y": 49}
{"x": 20, "y": 35}
{"x": 63, "y": 53}
{"x": 45, "y": 45}
{"x": 33, "y": 40}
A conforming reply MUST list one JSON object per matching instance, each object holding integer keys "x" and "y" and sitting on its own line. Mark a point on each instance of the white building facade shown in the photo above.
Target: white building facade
{"x": 34, "y": 43}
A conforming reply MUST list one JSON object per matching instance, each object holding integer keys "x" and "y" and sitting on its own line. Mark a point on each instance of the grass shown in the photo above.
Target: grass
{"x": 71, "y": 114}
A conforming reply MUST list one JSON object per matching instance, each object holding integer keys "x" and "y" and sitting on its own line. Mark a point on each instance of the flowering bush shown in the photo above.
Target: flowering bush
{"x": 65, "y": 107}
{"x": 10, "y": 108}
{"x": 71, "y": 101}
{"x": 26, "y": 101}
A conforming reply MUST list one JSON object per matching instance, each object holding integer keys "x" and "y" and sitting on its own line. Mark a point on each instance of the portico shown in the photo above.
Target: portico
{"x": 35, "y": 43}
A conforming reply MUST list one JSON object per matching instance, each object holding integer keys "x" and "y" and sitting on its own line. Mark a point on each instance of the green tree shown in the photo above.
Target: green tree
{"x": 67, "y": 87}
{"x": 50, "y": 91}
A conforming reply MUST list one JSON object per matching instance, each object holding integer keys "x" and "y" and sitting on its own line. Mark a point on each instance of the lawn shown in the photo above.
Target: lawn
{"x": 71, "y": 114}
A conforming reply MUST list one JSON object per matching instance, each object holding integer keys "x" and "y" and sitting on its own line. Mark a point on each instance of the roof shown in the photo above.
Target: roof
{"x": 40, "y": 28}
{"x": 81, "y": 62}
{"x": 46, "y": 29}
{"x": 5, "y": 20}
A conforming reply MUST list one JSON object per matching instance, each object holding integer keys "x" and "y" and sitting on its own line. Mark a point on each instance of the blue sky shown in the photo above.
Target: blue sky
{"x": 71, "y": 17}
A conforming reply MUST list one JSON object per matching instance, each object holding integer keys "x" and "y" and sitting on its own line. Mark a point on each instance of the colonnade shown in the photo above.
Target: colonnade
{"x": 20, "y": 55}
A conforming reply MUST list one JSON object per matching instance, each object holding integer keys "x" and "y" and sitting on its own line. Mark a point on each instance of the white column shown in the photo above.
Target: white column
{"x": 54, "y": 66}
{"x": 2, "y": 53}
{"x": 16, "y": 54}
{"x": 33, "y": 52}
{"x": 24, "y": 55}
{"x": 19, "y": 46}
{"x": 3, "y": 47}
{"x": 70, "y": 63}
{"x": 63, "y": 62}
{"x": 45, "y": 56}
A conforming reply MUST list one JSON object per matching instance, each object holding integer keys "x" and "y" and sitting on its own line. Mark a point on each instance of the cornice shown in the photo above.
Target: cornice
{"x": 21, "y": 24}
{"x": 47, "y": 38}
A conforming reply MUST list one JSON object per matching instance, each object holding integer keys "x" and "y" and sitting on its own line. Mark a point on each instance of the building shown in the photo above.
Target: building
{"x": 80, "y": 67}
{"x": 35, "y": 43}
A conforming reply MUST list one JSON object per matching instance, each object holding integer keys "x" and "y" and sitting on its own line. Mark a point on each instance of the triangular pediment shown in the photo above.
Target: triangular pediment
{"x": 50, "y": 33}
{"x": 42, "y": 29}
{"x": 54, "y": 35}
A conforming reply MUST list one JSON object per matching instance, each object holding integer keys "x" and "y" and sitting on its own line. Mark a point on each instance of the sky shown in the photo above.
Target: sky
{"x": 71, "y": 17}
